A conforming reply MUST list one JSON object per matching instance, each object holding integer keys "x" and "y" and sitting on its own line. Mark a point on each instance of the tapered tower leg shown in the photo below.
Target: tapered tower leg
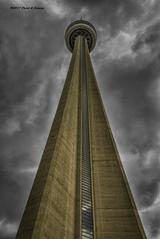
{"x": 80, "y": 190}
{"x": 115, "y": 213}
{"x": 50, "y": 210}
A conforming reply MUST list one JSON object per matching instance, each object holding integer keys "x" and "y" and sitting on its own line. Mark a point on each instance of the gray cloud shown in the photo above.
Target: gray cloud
{"x": 109, "y": 14}
{"x": 128, "y": 84}
{"x": 153, "y": 221}
{"x": 33, "y": 65}
{"x": 149, "y": 38}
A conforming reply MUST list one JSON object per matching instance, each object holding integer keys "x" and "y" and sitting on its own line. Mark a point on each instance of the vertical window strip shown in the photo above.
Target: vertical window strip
{"x": 86, "y": 188}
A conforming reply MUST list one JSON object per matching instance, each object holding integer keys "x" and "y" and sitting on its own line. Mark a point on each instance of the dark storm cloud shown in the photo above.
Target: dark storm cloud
{"x": 153, "y": 221}
{"x": 12, "y": 185}
{"x": 128, "y": 85}
{"x": 26, "y": 52}
{"x": 30, "y": 65}
{"x": 149, "y": 38}
{"x": 32, "y": 71}
{"x": 145, "y": 97}
{"x": 108, "y": 13}
{"x": 129, "y": 7}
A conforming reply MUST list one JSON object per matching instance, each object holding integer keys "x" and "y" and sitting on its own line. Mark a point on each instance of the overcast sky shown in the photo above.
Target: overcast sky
{"x": 33, "y": 67}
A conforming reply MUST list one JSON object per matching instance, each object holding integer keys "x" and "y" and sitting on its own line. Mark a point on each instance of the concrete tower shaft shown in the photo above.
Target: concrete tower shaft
{"x": 80, "y": 190}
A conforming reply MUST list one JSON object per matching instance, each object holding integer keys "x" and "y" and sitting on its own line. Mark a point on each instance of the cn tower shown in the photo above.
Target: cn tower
{"x": 80, "y": 190}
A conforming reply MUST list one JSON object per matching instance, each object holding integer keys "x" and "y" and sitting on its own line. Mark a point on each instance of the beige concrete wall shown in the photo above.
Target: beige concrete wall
{"x": 50, "y": 211}
{"x": 53, "y": 210}
{"x": 115, "y": 212}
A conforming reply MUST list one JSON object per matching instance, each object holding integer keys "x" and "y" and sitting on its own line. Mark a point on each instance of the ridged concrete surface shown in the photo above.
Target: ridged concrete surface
{"x": 50, "y": 211}
{"x": 53, "y": 210}
{"x": 114, "y": 209}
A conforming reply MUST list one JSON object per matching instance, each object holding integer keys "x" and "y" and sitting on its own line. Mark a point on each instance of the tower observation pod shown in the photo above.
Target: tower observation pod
{"x": 80, "y": 190}
{"x": 80, "y": 28}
